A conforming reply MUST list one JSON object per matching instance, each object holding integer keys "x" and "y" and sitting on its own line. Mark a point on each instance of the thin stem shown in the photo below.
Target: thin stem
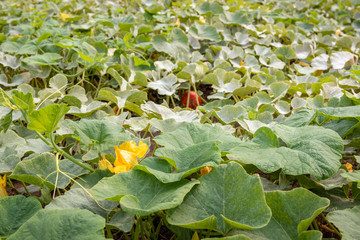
{"x": 188, "y": 96}
{"x": 109, "y": 234}
{"x": 137, "y": 229}
{"x": 26, "y": 190}
{"x": 197, "y": 100}
{"x": 330, "y": 224}
{"x": 68, "y": 156}
{"x": 142, "y": 229}
{"x": 315, "y": 225}
{"x": 12, "y": 186}
{"x": 172, "y": 101}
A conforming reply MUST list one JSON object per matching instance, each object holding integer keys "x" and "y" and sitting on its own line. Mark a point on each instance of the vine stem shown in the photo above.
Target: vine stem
{"x": 332, "y": 226}
{"x": 68, "y": 156}
{"x": 52, "y": 143}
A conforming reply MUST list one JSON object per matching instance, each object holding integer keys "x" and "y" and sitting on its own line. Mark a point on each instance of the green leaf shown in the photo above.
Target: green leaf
{"x": 292, "y": 213}
{"x": 237, "y": 18}
{"x": 138, "y": 61}
{"x": 195, "y": 133}
{"x": 207, "y": 7}
{"x": 59, "y": 83}
{"x": 86, "y": 109}
{"x": 347, "y": 221}
{"x": 71, "y": 224}
{"x": 300, "y": 118}
{"x": 165, "y": 86}
{"x": 159, "y": 168}
{"x": 341, "y": 59}
{"x": 122, "y": 220}
{"x": 47, "y": 118}
{"x": 126, "y": 22}
{"x": 42, "y": 170}
{"x": 190, "y": 159}
{"x": 44, "y": 59}
{"x": 229, "y": 113}
{"x": 78, "y": 198}
{"x": 340, "y": 112}
{"x": 226, "y": 197}
{"x": 310, "y": 150}
{"x": 115, "y": 75}
{"x": 14, "y": 211}
{"x": 320, "y": 62}
{"x": 352, "y": 176}
{"x": 235, "y": 237}
{"x": 265, "y": 137}
{"x": 8, "y": 159}
{"x": 178, "y": 48}
{"x": 310, "y": 235}
{"x": 15, "y": 81}
{"x": 101, "y": 134}
{"x": 279, "y": 90}
{"x": 24, "y": 101}
{"x": 121, "y": 97}
{"x": 286, "y": 52}
{"x": 205, "y": 32}
{"x": 6, "y": 121}
{"x": 141, "y": 193}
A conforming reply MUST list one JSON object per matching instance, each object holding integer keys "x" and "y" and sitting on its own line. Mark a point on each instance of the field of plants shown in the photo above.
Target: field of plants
{"x": 179, "y": 120}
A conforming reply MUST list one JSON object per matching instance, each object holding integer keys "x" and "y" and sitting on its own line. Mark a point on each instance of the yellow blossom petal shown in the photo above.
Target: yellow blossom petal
{"x": 105, "y": 164}
{"x": 128, "y": 146}
{"x": 205, "y": 170}
{"x": 141, "y": 150}
{"x": 127, "y": 154}
{"x": 65, "y": 16}
{"x": 122, "y": 168}
{"x": 349, "y": 167}
{"x": 337, "y": 32}
{"x": 3, "y": 192}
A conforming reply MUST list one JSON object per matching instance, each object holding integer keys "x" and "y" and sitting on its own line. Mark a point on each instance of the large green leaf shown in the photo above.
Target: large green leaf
{"x": 195, "y": 133}
{"x": 14, "y": 211}
{"x": 204, "y": 32}
{"x": 206, "y": 7}
{"x": 237, "y": 18}
{"x": 8, "y": 159}
{"x": 65, "y": 224}
{"x": 101, "y": 134}
{"x": 24, "y": 101}
{"x": 165, "y": 86}
{"x": 41, "y": 170}
{"x": 226, "y": 197}
{"x": 292, "y": 213}
{"x": 309, "y": 150}
{"x": 47, "y": 118}
{"x": 78, "y": 198}
{"x": 44, "y": 59}
{"x": 347, "y": 221}
{"x": 340, "y": 112}
{"x": 141, "y": 193}
{"x": 122, "y": 220}
{"x": 177, "y": 48}
{"x": 188, "y": 160}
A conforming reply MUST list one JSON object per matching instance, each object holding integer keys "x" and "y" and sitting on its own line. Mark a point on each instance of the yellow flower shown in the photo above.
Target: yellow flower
{"x": 349, "y": 167}
{"x": 3, "y": 192}
{"x": 126, "y": 157}
{"x": 205, "y": 170}
{"x": 65, "y": 16}
{"x": 337, "y": 32}
{"x": 104, "y": 164}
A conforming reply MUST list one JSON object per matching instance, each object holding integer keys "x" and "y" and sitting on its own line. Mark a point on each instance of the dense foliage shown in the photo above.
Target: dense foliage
{"x": 179, "y": 119}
